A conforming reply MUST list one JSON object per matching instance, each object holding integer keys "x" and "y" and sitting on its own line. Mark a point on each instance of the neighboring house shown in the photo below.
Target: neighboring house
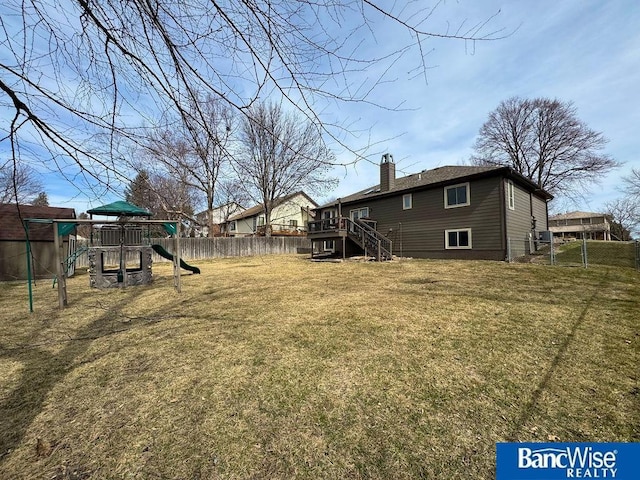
{"x": 220, "y": 216}
{"x": 575, "y": 225}
{"x": 463, "y": 212}
{"x": 289, "y": 216}
{"x": 13, "y": 245}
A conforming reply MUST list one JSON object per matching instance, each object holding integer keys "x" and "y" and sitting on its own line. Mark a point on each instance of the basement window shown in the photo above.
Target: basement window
{"x": 457, "y": 239}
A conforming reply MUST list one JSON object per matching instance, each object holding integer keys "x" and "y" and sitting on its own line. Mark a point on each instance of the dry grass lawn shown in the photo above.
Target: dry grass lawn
{"x": 278, "y": 368}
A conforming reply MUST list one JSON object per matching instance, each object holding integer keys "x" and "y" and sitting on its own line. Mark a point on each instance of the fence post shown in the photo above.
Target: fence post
{"x": 585, "y": 262}
{"x": 509, "y": 249}
{"x": 552, "y": 254}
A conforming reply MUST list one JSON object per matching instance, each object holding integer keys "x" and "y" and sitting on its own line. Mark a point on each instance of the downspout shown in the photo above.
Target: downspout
{"x": 533, "y": 227}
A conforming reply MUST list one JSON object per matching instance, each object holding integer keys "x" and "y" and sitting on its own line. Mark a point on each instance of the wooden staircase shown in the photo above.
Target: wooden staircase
{"x": 369, "y": 239}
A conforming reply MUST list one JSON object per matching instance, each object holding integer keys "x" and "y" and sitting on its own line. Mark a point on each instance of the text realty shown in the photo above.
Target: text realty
{"x": 578, "y": 462}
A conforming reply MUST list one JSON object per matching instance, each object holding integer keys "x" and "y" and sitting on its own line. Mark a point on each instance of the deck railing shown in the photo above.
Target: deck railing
{"x": 326, "y": 225}
{"x": 282, "y": 229}
{"x": 372, "y": 241}
{"x": 367, "y": 237}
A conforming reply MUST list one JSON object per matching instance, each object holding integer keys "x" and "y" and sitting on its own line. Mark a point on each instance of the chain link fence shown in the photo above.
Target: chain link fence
{"x": 579, "y": 253}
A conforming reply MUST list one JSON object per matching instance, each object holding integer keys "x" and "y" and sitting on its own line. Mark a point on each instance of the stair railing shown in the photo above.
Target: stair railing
{"x": 369, "y": 239}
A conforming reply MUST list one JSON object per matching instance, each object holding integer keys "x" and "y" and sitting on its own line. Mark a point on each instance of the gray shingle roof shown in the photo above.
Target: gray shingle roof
{"x": 422, "y": 179}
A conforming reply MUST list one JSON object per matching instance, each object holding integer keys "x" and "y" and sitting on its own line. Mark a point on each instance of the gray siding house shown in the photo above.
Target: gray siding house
{"x": 464, "y": 212}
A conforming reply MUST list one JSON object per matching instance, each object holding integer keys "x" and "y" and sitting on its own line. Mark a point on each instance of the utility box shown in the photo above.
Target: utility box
{"x": 546, "y": 236}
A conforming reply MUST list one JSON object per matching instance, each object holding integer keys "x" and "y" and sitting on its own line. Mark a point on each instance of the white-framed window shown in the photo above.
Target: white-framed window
{"x": 232, "y": 226}
{"x": 329, "y": 246}
{"x": 261, "y": 221}
{"x": 457, "y": 196}
{"x": 359, "y": 213}
{"x": 511, "y": 195}
{"x": 407, "y": 201}
{"x": 293, "y": 223}
{"x": 457, "y": 239}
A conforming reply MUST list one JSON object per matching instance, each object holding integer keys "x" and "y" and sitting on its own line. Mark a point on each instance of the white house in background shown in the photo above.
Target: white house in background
{"x": 573, "y": 225}
{"x": 288, "y": 217}
{"x": 220, "y": 216}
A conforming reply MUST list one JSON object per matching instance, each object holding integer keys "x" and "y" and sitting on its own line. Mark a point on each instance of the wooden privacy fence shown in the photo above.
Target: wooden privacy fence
{"x": 206, "y": 248}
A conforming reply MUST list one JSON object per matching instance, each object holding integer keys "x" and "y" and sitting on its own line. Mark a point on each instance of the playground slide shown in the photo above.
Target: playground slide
{"x": 163, "y": 253}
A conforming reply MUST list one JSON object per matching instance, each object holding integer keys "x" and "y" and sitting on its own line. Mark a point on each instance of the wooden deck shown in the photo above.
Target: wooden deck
{"x": 359, "y": 232}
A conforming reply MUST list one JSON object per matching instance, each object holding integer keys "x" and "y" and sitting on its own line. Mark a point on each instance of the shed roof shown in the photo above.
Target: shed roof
{"x": 12, "y": 215}
{"x": 120, "y": 209}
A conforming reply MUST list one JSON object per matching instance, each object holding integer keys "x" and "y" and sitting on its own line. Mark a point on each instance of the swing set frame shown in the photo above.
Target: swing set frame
{"x": 61, "y": 227}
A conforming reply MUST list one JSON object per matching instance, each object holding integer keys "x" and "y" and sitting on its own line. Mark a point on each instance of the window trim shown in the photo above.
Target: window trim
{"x": 233, "y": 225}
{"x": 406, "y": 196}
{"x": 449, "y": 187}
{"x": 329, "y": 246}
{"x": 457, "y": 230}
{"x": 358, "y": 210}
{"x": 511, "y": 195}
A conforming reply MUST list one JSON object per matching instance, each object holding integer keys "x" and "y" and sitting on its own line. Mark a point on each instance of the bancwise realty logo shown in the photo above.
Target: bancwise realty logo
{"x": 551, "y": 461}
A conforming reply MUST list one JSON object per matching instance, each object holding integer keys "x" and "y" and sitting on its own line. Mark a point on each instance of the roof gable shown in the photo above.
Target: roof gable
{"x": 11, "y": 227}
{"x": 259, "y": 208}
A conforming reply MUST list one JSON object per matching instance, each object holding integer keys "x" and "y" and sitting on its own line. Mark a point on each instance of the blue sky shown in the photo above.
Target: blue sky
{"x": 586, "y": 52}
{"x": 583, "y": 51}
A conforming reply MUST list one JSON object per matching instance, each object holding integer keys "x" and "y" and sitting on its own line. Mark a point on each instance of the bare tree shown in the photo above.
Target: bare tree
{"x": 281, "y": 152}
{"x": 165, "y": 197}
{"x": 545, "y": 141}
{"x": 231, "y": 199}
{"x": 17, "y": 183}
{"x": 195, "y": 149}
{"x": 84, "y": 229}
{"x": 73, "y": 73}
{"x": 624, "y": 215}
{"x": 633, "y": 183}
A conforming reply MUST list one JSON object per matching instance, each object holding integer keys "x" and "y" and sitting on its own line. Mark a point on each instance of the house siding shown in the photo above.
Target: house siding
{"x": 540, "y": 212}
{"x": 518, "y": 220}
{"x": 291, "y": 210}
{"x": 13, "y": 260}
{"x": 244, "y": 226}
{"x": 420, "y": 231}
{"x": 294, "y": 208}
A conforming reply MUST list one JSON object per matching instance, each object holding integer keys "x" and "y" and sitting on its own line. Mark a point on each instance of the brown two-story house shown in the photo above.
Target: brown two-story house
{"x": 464, "y": 212}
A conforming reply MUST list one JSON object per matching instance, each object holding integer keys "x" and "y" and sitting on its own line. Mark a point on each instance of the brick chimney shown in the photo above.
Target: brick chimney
{"x": 387, "y": 173}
